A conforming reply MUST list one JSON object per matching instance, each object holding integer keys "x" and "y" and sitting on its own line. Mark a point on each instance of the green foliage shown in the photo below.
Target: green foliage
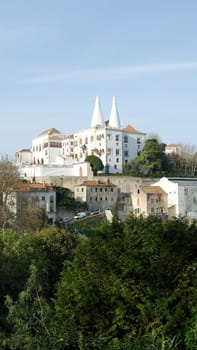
{"x": 182, "y": 165}
{"x": 30, "y": 268}
{"x": 154, "y": 162}
{"x": 95, "y": 162}
{"x": 151, "y": 161}
{"x": 31, "y": 219}
{"x": 65, "y": 199}
{"x": 124, "y": 286}
{"x": 30, "y": 317}
{"x": 90, "y": 226}
{"x": 129, "y": 282}
{"x": 9, "y": 180}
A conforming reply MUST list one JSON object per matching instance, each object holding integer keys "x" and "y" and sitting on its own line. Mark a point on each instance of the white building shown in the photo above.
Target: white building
{"x": 34, "y": 195}
{"x": 182, "y": 196}
{"x": 150, "y": 200}
{"x": 173, "y": 149}
{"x": 113, "y": 144}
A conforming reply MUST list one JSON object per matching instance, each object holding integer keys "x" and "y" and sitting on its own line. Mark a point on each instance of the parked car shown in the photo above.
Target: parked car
{"x": 80, "y": 215}
{"x": 95, "y": 211}
{"x": 66, "y": 219}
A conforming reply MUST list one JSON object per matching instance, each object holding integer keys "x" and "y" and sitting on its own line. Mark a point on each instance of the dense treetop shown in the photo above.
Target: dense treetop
{"x": 127, "y": 286}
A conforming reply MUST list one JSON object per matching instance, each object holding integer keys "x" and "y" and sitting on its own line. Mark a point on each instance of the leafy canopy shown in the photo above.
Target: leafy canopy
{"x": 95, "y": 163}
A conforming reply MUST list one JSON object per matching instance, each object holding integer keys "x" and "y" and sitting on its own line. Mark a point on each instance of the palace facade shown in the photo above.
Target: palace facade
{"x": 113, "y": 144}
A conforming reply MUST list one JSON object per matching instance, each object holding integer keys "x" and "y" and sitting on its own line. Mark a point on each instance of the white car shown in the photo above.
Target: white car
{"x": 80, "y": 215}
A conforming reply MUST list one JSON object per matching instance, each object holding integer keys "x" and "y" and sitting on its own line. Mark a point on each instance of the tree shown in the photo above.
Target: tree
{"x": 182, "y": 164}
{"x": 65, "y": 199}
{"x": 95, "y": 163}
{"x": 31, "y": 219}
{"x": 9, "y": 180}
{"x": 30, "y": 268}
{"x": 151, "y": 161}
{"x": 131, "y": 284}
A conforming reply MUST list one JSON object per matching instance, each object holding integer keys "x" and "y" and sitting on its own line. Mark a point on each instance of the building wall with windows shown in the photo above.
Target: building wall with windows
{"x": 150, "y": 200}
{"x": 47, "y": 148}
{"x": 182, "y": 195}
{"x": 34, "y": 195}
{"x": 113, "y": 144}
{"x": 173, "y": 149}
{"x": 97, "y": 194}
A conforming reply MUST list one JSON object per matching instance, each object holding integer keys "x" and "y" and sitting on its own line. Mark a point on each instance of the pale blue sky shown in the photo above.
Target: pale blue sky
{"x": 56, "y": 56}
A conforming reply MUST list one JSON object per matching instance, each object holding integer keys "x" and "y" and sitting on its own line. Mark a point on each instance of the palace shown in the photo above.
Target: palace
{"x": 113, "y": 144}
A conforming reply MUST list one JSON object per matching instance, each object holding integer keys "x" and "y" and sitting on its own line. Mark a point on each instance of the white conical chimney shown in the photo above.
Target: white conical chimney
{"x": 114, "y": 121}
{"x": 97, "y": 117}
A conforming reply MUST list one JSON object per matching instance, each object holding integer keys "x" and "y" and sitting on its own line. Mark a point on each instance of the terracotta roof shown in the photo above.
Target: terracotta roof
{"x": 152, "y": 189}
{"x": 131, "y": 129}
{"x": 172, "y": 145}
{"x": 50, "y": 131}
{"x": 28, "y": 187}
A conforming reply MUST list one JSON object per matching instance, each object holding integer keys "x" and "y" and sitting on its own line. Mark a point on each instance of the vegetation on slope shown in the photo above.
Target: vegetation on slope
{"x": 152, "y": 161}
{"x": 127, "y": 286}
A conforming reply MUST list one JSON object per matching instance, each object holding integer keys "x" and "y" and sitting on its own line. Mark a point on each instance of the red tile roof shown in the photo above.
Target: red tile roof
{"x": 28, "y": 187}
{"x": 131, "y": 129}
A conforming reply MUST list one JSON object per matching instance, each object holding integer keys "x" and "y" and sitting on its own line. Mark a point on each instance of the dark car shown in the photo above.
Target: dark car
{"x": 95, "y": 212}
{"x": 66, "y": 219}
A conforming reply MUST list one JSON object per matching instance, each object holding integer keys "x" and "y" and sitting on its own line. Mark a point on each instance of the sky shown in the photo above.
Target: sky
{"x": 56, "y": 56}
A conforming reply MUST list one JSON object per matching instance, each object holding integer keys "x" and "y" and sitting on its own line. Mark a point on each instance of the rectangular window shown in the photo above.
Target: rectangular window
{"x": 126, "y": 153}
{"x": 125, "y": 139}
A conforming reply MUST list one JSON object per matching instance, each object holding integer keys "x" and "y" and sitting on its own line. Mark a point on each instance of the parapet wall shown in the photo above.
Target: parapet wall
{"x": 127, "y": 184}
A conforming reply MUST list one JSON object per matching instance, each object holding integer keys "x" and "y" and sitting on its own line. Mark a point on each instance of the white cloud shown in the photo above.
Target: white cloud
{"x": 114, "y": 73}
